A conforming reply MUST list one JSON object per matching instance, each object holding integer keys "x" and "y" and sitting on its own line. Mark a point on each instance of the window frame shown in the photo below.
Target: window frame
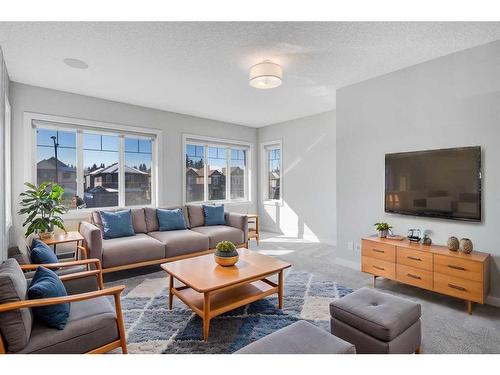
{"x": 265, "y": 147}
{"x": 102, "y": 128}
{"x": 204, "y": 141}
{"x": 8, "y": 165}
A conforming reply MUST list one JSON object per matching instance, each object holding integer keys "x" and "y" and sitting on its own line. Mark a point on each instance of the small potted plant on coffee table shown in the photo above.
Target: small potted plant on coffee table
{"x": 226, "y": 254}
{"x": 382, "y": 229}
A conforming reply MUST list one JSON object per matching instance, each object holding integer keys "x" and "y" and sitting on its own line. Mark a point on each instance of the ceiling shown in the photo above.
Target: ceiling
{"x": 201, "y": 69}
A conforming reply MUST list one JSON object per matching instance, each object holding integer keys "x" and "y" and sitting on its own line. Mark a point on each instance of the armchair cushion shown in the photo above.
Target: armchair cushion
{"x": 91, "y": 324}
{"x": 171, "y": 219}
{"x": 41, "y": 253}
{"x": 15, "y": 325}
{"x": 117, "y": 224}
{"x": 46, "y": 284}
{"x": 214, "y": 214}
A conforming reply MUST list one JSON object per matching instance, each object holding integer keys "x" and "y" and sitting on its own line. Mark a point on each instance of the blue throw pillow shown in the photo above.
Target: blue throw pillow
{"x": 117, "y": 224}
{"x": 40, "y": 253}
{"x": 214, "y": 214}
{"x": 46, "y": 284}
{"x": 171, "y": 219}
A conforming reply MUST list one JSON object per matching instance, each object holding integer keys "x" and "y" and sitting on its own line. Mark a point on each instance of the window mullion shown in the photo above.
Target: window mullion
{"x": 205, "y": 173}
{"x": 80, "y": 173}
{"x": 228, "y": 177}
{"x": 121, "y": 171}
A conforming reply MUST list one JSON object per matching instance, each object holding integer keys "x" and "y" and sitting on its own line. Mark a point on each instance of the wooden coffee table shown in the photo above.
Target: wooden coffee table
{"x": 210, "y": 290}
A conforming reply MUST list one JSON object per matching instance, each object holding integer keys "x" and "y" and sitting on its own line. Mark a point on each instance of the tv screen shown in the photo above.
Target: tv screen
{"x": 436, "y": 183}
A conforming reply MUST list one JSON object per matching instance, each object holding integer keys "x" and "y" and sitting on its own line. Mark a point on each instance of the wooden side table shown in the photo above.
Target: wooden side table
{"x": 253, "y": 228}
{"x": 72, "y": 236}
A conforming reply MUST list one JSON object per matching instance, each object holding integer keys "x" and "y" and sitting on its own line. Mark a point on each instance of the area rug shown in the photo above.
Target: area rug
{"x": 152, "y": 328}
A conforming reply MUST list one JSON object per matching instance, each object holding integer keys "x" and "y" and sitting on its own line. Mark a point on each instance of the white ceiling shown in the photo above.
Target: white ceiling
{"x": 201, "y": 69}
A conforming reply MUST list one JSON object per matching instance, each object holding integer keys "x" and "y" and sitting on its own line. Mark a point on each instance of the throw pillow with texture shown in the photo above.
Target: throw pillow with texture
{"x": 214, "y": 214}
{"x": 117, "y": 224}
{"x": 170, "y": 219}
{"x": 46, "y": 284}
{"x": 41, "y": 253}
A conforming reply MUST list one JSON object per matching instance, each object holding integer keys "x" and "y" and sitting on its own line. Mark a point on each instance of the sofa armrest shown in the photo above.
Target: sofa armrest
{"x": 239, "y": 221}
{"x": 92, "y": 240}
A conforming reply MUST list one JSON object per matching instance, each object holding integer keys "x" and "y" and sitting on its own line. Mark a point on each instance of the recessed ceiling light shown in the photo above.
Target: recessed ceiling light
{"x": 265, "y": 75}
{"x": 75, "y": 63}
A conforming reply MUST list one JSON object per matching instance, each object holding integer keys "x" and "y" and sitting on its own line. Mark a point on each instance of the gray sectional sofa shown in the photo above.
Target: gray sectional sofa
{"x": 152, "y": 246}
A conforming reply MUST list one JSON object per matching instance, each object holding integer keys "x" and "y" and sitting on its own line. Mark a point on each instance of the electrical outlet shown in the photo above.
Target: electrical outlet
{"x": 358, "y": 247}
{"x": 350, "y": 246}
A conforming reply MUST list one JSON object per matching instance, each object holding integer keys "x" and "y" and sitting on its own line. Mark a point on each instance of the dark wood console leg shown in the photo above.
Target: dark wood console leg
{"x": 418, "y": 350}
{"x": 469, "y": 307}
{"x": 374, "y": 281}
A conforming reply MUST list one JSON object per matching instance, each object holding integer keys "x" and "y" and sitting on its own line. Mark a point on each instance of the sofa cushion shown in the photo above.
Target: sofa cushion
{"x": 195, "y": 213}
{"x": 138, "y": 219}
{"x": 91, "y": 324}
{"x": 41, "y": 253}
{"x": 218, "y": 233}
{"x": 46, "y": 284}
{"x": 214, "y": 214}
{"x": 127, "y": 250}
{"x": 299, "y": 338}
{"x": 152, "y": 219}
{"x": 181, "y": 242}
{"x": 117, "y": 224}
{"x": 378, "y": 314}
{"x": 15, "y": 325}
{"x": 171, "y": 219}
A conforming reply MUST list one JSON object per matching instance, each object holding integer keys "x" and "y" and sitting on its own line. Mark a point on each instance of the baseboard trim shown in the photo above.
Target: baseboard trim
{"x": 348, "y": 263}
{"x": 493, "y": 301}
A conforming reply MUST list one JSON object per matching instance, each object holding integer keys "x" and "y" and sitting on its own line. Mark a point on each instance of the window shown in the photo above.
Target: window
{"x": 95, "y": 168}
{"x": 272, "y": 188}
{"x": 7, "y": 169}
{"x": 215, "y": 170}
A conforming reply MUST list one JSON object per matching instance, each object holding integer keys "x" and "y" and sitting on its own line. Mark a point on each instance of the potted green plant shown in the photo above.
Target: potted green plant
{"x": 382, "y": 229}
{"x": 226, "y": 254}
{"x": 43, "y": 205}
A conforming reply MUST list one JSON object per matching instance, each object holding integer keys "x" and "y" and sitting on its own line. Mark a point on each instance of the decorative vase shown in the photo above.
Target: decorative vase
{"x": 466, "y": 246}
{"x": 382, "y": 233}
{"x": 225, "y": 258}
{"x": 453, "y": 243}
{"x": 427, "y": 240}
{"x": 46, "y": 235}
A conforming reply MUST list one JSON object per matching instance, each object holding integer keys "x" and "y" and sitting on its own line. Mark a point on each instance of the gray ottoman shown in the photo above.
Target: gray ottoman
{"x": 377, "y": 322}
{"x": 299, "y": 338}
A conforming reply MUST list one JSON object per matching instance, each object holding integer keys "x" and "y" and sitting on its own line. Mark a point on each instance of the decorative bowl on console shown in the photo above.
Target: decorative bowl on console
{"x": 226, "y": 254}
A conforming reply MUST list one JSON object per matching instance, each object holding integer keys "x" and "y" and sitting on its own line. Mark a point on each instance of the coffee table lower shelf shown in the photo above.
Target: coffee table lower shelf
{"x": 211, "y": 304}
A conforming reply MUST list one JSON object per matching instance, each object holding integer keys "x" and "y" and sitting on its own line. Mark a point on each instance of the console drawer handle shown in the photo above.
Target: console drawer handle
{"x": 456, "y": 267}
{"x": 414, "y": 276}
{"x": 457, "y": 287}
{"x": 414, "y": 258}
{"x": 379, "y": 268}
{"x": 378, "y": 251}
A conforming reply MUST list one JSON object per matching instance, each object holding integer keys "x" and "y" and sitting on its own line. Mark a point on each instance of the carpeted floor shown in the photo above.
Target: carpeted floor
{"x": 152, "y": 328}
{"x": 446, "y": 326}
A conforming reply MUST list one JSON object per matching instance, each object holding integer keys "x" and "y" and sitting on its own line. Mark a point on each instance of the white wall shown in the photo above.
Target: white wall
{"x": 4, "y": 92}
{"x": 26, "y": 98}
{"x": 448, "y": 102}
{"x": 308, "y": 157}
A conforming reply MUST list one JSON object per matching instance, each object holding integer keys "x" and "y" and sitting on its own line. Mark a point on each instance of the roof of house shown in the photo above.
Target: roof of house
{"x": 113, "y": 168}
{"x": 50, "y": 163}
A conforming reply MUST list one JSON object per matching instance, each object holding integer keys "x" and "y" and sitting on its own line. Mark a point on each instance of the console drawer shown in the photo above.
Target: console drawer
{"x": 458, "y": 267}
{"x": 414, "y": 276}
{"x": 457, "y": 287}
{"x": 378, "y": 267}
{"x": 378, "y": 250}
{"x": 414, "y": 258}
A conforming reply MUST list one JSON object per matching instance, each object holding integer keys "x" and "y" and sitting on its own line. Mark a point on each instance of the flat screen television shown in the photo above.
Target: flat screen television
{"x": 442, "y": 183}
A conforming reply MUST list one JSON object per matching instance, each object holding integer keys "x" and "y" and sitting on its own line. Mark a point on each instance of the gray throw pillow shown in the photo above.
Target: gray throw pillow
{"x": 15, "y": 325}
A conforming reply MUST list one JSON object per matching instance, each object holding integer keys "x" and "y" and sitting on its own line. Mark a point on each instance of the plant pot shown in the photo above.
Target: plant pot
{"x": 225, "y": 259}
{"x": 382, "y": 233}
{"x": 46, "y": 235}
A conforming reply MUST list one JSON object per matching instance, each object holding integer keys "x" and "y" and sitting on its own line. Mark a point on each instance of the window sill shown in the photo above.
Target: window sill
{"x": 225, "y": 203}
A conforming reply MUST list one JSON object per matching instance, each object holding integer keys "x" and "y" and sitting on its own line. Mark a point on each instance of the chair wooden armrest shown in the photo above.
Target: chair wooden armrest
{"x": 77, "y": 275}
{"x": 115, "y": 290}
{"x": 32, "y": 267}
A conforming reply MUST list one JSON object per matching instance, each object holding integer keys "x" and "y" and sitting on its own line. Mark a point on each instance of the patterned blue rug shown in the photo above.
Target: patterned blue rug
{"x": 152, "y": 328}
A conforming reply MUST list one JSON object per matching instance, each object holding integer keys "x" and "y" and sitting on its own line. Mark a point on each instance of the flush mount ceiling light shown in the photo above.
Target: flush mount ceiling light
{"x": 76, "y": 63}
{"x": 265, "y": 75}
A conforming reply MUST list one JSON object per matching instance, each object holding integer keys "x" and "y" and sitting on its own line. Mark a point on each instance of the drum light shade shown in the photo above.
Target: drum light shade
{"x": 265, "y": 75}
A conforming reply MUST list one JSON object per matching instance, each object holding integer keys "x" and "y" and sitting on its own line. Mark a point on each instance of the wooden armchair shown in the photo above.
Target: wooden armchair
{"x": 93, "y": 325}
